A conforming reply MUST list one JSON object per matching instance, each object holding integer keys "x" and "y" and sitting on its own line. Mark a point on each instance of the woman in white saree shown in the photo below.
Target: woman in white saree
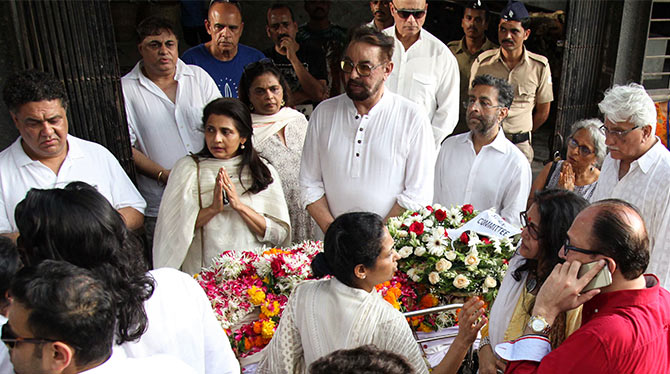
{"x": 223, "y": 198}
{"x": 345, "y": 311}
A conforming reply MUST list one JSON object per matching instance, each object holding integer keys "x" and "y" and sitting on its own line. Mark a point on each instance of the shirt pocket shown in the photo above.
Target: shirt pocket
{"x": 525, "y": 92}
{"x": 423, "y": 91}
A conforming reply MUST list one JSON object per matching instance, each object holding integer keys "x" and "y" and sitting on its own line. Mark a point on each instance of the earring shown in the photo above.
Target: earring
{"x": 242, "y": 146}
{"x": 364, "y": 276}
{"x": 282, "y": 102}
{"x": 251, "y": 107}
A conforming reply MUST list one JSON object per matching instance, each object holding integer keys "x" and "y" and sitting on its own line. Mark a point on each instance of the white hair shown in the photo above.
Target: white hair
{"x": 629, "y": 103}
{"x": 592, "y": 127}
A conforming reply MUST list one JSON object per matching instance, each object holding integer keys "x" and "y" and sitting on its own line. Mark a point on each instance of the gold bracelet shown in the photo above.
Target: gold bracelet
{"x": 160, "y": 174}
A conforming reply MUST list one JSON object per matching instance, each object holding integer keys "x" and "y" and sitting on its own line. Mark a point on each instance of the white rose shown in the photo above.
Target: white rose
{"x": 442, "y": 265}
{"x": 471, "y": 260}
{"x": 433, "y": 277}
{"x": 405, "y": 251}
{"x": 428, "y": 223}
{"x": 402, "y": 233}
{"x": 490, "y": 282}
{"x": 461, "y": 281}
{"x": 450, "y": 255}
{"x": 436, "y": 206}
{"x": 425, "y": 238}
{"x": 419, "y": 251}
{"x": 396, "y": 223}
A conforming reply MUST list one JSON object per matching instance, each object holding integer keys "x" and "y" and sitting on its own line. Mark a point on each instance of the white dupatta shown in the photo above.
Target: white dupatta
{"x": 267, "y": 125}
{"x": 506, "y": 301}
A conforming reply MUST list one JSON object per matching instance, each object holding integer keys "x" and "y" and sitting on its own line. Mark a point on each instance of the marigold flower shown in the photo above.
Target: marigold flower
{"x": 425, "y": 328}
{"x": 256, "y": 295}
{"x": 247, "y": 344}
{"x": 428, "y": 301}
{"x": 268, "y": 329}
{"x": 270, "y": 309}
{"x": 258, "y": 325}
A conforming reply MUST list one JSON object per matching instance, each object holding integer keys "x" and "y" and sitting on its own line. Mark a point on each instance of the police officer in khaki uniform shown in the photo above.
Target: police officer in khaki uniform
{"x": 474, "y": 22}
{"x": 528, "y": 72}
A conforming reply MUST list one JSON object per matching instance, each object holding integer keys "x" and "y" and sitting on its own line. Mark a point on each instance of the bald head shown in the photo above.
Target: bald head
{"x": 619, "y": 232}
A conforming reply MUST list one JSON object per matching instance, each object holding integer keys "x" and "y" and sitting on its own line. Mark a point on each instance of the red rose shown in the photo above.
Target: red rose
{"x": 486, "y": 240}
{"x": 446, "y": 234}
{"x": 467, "y": 209}
{"x": 415, "y": 214}
{"x": 416, "y": 227}
{"x": 429, "y": 208}
{"x": 465, "y": 238}
{"x": 440, "y": 215}
{"x": 505, "y": 261}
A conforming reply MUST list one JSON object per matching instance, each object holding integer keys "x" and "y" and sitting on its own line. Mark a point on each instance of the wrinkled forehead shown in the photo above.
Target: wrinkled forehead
{"x": 410, "y": 4}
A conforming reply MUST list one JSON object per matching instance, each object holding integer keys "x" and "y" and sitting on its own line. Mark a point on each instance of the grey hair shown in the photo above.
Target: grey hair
{"x": 592, "y": 126}
{"x": 629, "y": 103}
{"x": 505, "y": 90}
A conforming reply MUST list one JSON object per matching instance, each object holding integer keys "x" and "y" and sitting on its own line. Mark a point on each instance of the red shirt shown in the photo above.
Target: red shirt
{"x": 622, "y": 332}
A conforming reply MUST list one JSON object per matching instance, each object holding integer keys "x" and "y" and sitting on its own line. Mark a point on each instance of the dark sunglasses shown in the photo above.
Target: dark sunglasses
{"x": 10, "y": 339}
{"x": 532, "y": 228}
{"x": 405, "y": 13}
{"x": 567, "y": 248}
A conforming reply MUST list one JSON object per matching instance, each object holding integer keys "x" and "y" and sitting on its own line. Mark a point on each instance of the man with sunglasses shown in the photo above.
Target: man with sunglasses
{"x": 62, "y": 320}
{"x": 624, "y": 324}
{"x": 426, "y": 71}
{"x": 528, "y": 72}
{"x": 304, "y": 68}
{"x": 482, "y": 167}
{"x": 369, "y": 150}
{"x": 637, "y": 168}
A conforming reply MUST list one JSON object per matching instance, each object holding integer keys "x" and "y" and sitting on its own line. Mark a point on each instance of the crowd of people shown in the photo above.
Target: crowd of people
{"x": 325, "y": 136}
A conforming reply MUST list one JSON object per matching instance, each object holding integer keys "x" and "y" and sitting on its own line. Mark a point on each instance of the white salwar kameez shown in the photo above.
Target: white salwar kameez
{"x": 324, "y": 316}
{"x": 178, "y": 245}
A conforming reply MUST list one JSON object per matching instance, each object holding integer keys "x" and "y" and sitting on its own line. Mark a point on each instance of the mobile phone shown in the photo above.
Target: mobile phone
{"x": 602, "y": 279}
{"x": 224, "y": 195}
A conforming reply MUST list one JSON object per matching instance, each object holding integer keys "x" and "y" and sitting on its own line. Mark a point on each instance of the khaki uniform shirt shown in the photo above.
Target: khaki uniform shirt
{"x": 531, "y": 79}
{"x": 465, "y": 60}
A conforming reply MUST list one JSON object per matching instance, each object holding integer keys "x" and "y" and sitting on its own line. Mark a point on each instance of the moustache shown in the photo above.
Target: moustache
{"x": 508, "y": 41}
{"x": 282, "y": 36}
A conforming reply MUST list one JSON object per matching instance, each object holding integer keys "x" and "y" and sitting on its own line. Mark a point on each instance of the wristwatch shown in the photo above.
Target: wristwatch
{"x": 539, "y": 325}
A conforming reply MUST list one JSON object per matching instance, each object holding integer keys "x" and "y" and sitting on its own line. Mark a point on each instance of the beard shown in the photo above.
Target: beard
{"x": 364, "y": 91}
{"x": 481, "y": 124}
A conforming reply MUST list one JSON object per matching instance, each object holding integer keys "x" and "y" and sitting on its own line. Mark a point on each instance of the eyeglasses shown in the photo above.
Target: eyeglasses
{"x": 482, "y": 104}
{"x": 532, "y": 228}
{"x": 567, "y": 248}
{"x": 405, "y": 13}
{"x": 10, "y": 339}
{"x": 618, "y": 134}
{"x": 583, "y": 150}
{"x": 363, "y": 69}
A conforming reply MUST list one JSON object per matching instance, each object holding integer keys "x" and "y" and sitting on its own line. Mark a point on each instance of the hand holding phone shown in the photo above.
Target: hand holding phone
{"x": 602, "y": 279}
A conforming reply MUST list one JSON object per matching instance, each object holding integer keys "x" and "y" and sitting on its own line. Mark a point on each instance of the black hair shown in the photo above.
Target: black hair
{"x": 558, "y": 209}
{"x": 369, "y": 35}
{"x": 239, "y": 113}
{"x": 525, "y": 23}
{"x": 153, "y": 26}
{"x": 352, "y": 239}
{"x": 613, "y": 235}
{"x": 253, "y": 71}
{"x": 77, "y": 224}
{"x": 68, "y": 304}
{"x": 505, "y": 90}
{"x": 30, "y": 86}
{"x": 9, "y": 265}
{"x": 279, "y": 6}
{"x": 366, "y": 359}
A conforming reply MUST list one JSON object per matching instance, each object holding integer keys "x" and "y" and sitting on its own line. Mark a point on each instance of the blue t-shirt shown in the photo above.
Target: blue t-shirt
{"x": 226, "y": 74}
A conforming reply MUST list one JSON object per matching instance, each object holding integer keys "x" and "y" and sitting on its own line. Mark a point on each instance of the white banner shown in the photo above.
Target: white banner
{"x": 487, "y": 223}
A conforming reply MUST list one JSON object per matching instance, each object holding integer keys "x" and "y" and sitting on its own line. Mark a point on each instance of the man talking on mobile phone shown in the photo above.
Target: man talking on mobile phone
{"x": 624, "y": 325}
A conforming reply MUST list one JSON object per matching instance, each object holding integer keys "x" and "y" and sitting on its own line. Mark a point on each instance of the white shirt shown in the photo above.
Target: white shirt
{"x": 427, "y": 73}
{"x": 647, "y": 186}
{"x": 182, "y": 324}
{"x": 85, "y": 161}
{"x": 498, "y": 177}
{"x": 6, "y": 366}
{"x": 159, "y": 363}
{"x": 368, "y": 162}
{"x": 165, "y": 131}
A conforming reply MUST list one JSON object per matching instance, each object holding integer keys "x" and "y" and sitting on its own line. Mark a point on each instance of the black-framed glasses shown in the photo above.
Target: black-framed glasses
{"x": 532, "y": 228}
{"x": 567, "y": 248}
{"x": 618, "y": 134}
{"x": 363, "y": 69}
{"x": 482, "y": 104}
{"x": 10, "y": 339}
{"x": 583, "y": 150}
{"x": 405, "y": 13}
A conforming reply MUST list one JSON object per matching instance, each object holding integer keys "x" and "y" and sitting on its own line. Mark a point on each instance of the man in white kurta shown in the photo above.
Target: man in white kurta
{"x": 374, "y": 152}
{"x": 164, "y": 99}
{"x": 481, "y": 167}
{"x": 637, "y": 168}
{"x": 425, "y": 71}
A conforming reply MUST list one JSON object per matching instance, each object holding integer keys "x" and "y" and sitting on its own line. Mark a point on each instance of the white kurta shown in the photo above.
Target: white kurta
{"x": 182, "y": 324}
{"x": 85, "y": 161}
{"x": 498, "y": 177}
{"x": 647, "y": 186}
{"x": 178, "y": 245}
{"x": 427, "y": 73}
{"x": 163, "y": 130}
{"x": 324, "y": 316}
{"x": 368, "y": 162}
